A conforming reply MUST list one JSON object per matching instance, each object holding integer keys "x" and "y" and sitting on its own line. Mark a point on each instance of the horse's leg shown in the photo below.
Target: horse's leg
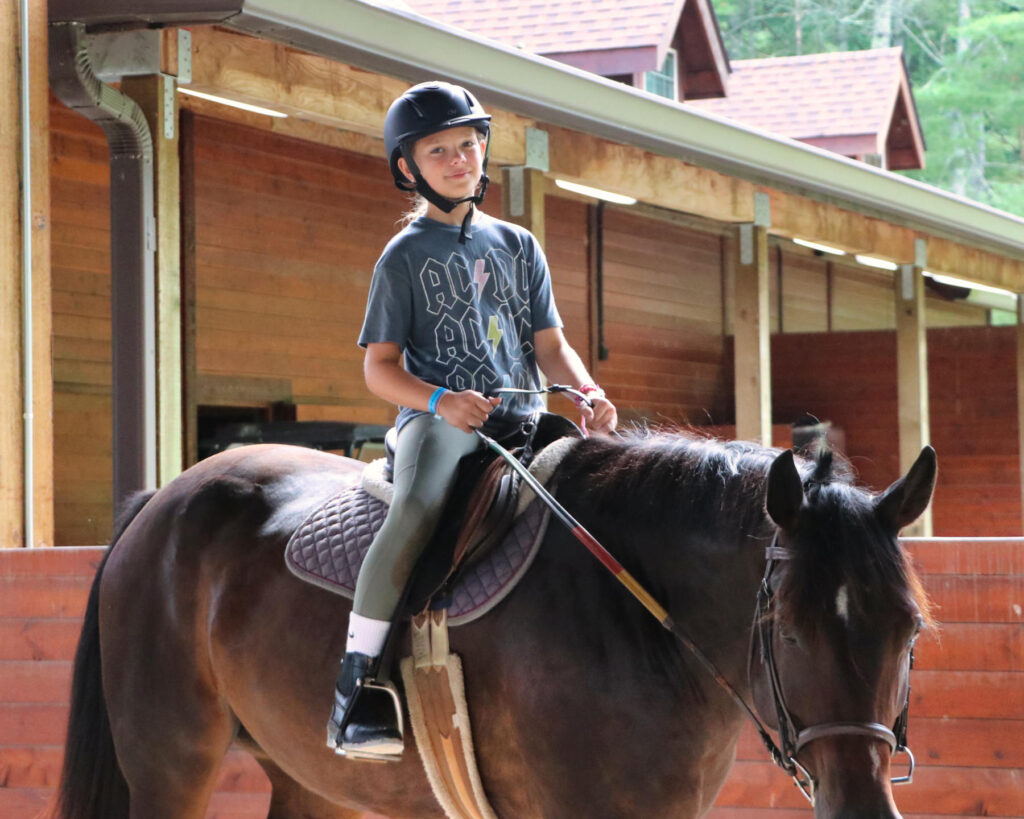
{"x": 176, "y": 778}
{"x": 290, "y": 800}
{"x": 170, "y": 721}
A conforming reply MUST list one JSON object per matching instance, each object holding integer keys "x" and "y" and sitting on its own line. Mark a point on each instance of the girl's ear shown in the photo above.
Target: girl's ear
{"x": 403, "y": 166}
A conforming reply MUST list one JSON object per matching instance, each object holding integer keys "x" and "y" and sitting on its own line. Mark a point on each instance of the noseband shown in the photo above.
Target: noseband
{"x": 792, "y": 738}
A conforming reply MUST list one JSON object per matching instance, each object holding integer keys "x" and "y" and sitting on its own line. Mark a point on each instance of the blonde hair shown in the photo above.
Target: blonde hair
{"x": 417, "y": 208}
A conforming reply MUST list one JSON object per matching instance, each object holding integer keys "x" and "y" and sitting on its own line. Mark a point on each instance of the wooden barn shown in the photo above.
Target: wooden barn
{"x": 175, "y": 266}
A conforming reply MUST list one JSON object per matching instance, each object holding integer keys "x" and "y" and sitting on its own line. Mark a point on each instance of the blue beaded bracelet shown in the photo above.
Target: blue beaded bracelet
{"x": 434, "y": 399}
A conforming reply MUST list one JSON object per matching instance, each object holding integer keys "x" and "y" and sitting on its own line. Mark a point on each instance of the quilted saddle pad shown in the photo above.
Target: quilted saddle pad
{"x": 329, "y": 547}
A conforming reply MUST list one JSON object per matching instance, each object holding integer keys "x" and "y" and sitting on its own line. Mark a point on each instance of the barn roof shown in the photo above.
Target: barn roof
{"x": 851, "y": 102}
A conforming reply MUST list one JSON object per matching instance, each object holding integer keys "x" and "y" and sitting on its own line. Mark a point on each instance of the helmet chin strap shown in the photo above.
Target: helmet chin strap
{"x": 442, "y": 202}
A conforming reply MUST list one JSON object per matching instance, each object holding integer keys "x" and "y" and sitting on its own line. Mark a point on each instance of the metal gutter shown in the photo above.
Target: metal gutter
{"x": 27, "y": 351}
{"x": 393, "y": 40}
{"x": 133, "y": 243}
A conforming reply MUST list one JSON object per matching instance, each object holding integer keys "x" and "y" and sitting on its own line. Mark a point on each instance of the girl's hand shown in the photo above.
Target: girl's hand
{"x": 602, "y": 418}
{"x": 466, "y": 410}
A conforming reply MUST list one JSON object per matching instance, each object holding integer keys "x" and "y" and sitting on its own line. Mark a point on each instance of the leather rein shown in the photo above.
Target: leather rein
{"x": 792, "y": 738}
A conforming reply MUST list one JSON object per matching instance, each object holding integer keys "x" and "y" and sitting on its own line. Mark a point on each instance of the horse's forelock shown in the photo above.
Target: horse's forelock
{"x": 841, "y": 542}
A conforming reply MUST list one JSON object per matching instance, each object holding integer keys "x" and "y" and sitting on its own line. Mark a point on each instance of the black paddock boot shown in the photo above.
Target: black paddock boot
{"x": 366, "y": 721}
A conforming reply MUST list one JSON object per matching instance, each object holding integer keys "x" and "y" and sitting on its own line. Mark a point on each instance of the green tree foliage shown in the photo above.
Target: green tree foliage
{"x": 966, "y": 63}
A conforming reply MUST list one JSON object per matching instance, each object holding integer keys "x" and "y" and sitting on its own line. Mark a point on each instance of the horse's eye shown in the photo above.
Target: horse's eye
{"x": 789, "y": 637}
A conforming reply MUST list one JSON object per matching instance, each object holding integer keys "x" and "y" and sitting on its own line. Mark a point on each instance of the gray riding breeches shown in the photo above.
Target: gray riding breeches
{"x": 426, "y": 459}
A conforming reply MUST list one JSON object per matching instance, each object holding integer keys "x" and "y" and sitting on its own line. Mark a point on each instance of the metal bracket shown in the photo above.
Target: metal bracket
{"x": 184, "y": 56}
{"x": 537, "y": 150}
{"x": 921, "y": 253}
{"x": 168, "y": 108}
{"x": 516, "y": 191}
{"x": 762, "y": 210}
{"x": 746, "y": 243}
{"x": 907, "y": 274}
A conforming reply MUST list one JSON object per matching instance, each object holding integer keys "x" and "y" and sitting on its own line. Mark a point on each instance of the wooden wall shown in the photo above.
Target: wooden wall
{"x": 663, "y": 313}
{"x": 850, "y": 380}
{"x": 966, "y": 717}
{"x": 287, "y": 233}
{"x": 80, "y": 216}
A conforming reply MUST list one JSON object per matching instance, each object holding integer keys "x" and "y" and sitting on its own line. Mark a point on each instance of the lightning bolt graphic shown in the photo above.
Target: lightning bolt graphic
{"x": 494, "y": 332}
{"x": 480, "y": 276}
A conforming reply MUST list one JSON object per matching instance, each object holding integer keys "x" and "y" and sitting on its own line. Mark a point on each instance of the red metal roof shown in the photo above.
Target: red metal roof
{"x": 851, "y": 101}
{"x": 559, "y": 27}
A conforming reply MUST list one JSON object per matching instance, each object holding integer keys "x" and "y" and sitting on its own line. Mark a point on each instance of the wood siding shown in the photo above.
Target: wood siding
{"x": 849, "y": 379}
{"x": 966, "y": 715}
{"x": 287, "y": 233}
{"x": 663, "y": 322}
{"x": 82, "y": 420}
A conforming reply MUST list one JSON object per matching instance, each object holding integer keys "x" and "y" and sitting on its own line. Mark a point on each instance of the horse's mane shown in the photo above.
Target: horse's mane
{"x": 693, "y": 482}
{"x": 699, "y": 482}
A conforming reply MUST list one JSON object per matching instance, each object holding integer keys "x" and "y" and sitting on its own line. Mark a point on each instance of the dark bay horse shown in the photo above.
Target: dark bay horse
{"x": 582, "y": 705}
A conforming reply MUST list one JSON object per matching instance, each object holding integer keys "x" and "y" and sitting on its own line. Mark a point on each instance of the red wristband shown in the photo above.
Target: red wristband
{"x": 589, "y": 390}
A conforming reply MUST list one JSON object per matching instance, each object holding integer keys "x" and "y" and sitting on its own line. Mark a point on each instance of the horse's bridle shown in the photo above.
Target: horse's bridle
{"x": 792, "y": 738}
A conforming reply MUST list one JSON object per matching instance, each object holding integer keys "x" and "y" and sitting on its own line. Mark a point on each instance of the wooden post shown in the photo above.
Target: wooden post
{"x": 595, "y": 297}
{"x": 189, "y": 374}
{"x": 751, "y": 325}
{"x": 156, "y": 96}
{"x": 912, "y": 377}
{"x": 13, "y": 474}
{"x": 42, "y": 287}
{"x": 1020, "y": 393}
{"x": 522, "y": 202}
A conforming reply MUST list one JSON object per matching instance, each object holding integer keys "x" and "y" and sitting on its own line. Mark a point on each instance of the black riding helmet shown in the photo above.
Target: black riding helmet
{"x": 423, "y": 110}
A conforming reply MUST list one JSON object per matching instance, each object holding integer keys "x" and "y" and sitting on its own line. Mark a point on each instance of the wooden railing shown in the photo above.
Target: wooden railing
{"x": 967, "y": 709}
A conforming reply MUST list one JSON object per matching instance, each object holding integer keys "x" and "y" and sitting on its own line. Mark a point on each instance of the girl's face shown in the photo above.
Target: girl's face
{"x": 451, "y": 161}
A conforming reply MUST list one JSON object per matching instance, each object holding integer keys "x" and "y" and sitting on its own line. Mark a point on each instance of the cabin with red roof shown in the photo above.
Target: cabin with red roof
{"x": 672, "y": 48}
{"x": 855, "y": 103}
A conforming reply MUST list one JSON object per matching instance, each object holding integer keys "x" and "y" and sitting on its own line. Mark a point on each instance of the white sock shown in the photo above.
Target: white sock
{"x": 366, "y": 635}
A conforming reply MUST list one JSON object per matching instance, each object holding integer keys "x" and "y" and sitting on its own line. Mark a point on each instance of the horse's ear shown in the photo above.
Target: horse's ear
{"x": 903, "y": 502}
{"x": 785, "y": 491}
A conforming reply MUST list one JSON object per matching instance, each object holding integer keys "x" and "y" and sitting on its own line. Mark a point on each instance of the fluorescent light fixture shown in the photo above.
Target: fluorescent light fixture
{"x": 822, "y": 248}
{"x": 971, "y": 285}
{"x": 595, "y": 193}
{"x": 232, "y": 103}
{"x": 872, "y": 261}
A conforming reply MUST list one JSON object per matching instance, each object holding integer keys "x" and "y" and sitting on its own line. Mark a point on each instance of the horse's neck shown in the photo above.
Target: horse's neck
{"x": 712, "y": 597}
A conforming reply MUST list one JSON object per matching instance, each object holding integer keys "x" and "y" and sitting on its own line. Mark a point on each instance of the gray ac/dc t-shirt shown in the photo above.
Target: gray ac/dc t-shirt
{"x": 464, "y": 315}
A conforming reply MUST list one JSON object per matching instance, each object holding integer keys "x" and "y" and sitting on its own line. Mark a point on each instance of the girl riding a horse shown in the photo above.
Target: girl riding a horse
{"x": 466, "y": 299}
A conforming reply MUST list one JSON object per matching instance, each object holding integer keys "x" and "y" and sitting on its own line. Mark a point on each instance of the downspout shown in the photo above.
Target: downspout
{"x": 28, "y": 394}
{"x": 132, "y": 249}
